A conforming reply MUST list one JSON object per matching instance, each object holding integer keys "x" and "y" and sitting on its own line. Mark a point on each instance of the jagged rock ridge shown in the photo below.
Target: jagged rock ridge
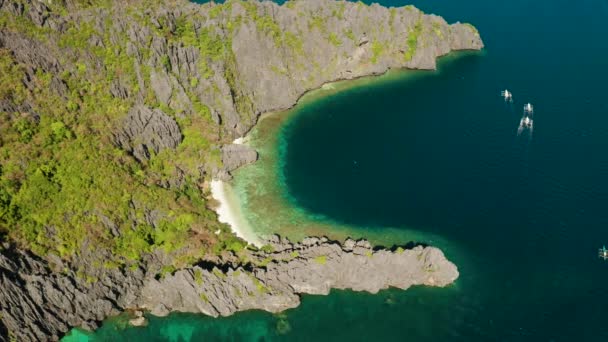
{"x": 41, "y": 304}
{"x": 275, "y": 53}
{"x": 148, "y": 131}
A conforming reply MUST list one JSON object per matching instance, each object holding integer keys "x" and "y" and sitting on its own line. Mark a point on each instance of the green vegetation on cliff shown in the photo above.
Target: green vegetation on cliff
{"x": 412, "y": 41}
{"x": 113, "y": 113}
{"x": 65, "y": 187}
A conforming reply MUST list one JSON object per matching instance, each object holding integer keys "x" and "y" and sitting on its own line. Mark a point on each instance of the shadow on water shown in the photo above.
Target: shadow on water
{"x": 408, "y": 246}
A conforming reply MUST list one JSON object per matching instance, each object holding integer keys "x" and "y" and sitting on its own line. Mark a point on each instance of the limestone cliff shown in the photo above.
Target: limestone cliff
{"x": 169, "y": 84}
{"x": 238, "y": 59}
{"x": 114, "y": 116}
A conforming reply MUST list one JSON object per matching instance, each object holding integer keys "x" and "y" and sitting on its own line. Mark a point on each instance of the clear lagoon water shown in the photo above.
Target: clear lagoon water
{"x": 434, "y": 157}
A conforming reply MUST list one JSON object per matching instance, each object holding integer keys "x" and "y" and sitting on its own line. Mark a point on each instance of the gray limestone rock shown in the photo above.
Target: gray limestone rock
{"x": 139, "y": 320}
{"x": 262, "y": 72}
{"x": 233, "y": 157}
{"x": 305, "y": 268}
{"x": 147, "y": 131}
{"x": 38, "y": 304}
{"x": 38, "y": 12}
{"x": 161, "y": 84}
{"x": 464, "y": 36}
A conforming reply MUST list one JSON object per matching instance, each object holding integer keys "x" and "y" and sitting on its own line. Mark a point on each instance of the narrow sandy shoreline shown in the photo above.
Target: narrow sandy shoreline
{"x": 229, "y": 211}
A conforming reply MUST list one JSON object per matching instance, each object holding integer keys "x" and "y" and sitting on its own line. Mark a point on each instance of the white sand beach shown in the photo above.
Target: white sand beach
{"x": 229, "y": 212}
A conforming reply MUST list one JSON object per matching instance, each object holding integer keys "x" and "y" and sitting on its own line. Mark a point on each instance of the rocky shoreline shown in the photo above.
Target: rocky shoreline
{"x": 274, "y": 58}
{"x": 42, "y": 304}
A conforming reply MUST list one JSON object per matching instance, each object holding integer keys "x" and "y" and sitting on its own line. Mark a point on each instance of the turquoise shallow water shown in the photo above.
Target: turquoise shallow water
{"x": 435, "y": 157}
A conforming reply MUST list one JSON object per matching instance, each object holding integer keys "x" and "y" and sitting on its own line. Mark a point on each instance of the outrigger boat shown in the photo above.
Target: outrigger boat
{"x": 528, "y": 108}
{"x": 603, "y": 253}
{"x": 526, "y": 123}
{"x": 508, "y": 96}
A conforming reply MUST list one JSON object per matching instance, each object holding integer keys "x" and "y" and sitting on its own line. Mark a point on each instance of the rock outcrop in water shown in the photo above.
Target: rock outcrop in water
{"x": 40, "y": 304}
{"x": 314, "y": 266}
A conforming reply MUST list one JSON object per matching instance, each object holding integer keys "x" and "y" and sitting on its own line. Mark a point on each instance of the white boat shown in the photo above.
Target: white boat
{"x": 603, "y": 253}
{"x": 528, "y": 108}
{"x": 526, "y": 123}
{"x": 507, "y": 95}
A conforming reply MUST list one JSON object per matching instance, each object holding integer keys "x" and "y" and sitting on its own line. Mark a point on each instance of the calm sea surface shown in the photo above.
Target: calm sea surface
{"x": 435, "y": 157}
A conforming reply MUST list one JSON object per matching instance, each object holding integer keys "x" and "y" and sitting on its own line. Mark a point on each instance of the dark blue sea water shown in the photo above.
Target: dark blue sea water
{"x": 436, "y": 156}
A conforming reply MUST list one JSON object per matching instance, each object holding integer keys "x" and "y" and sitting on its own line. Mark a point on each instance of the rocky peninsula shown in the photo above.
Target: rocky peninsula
{"x": 116, "y": 115}
{"x": 40, "y": 304}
